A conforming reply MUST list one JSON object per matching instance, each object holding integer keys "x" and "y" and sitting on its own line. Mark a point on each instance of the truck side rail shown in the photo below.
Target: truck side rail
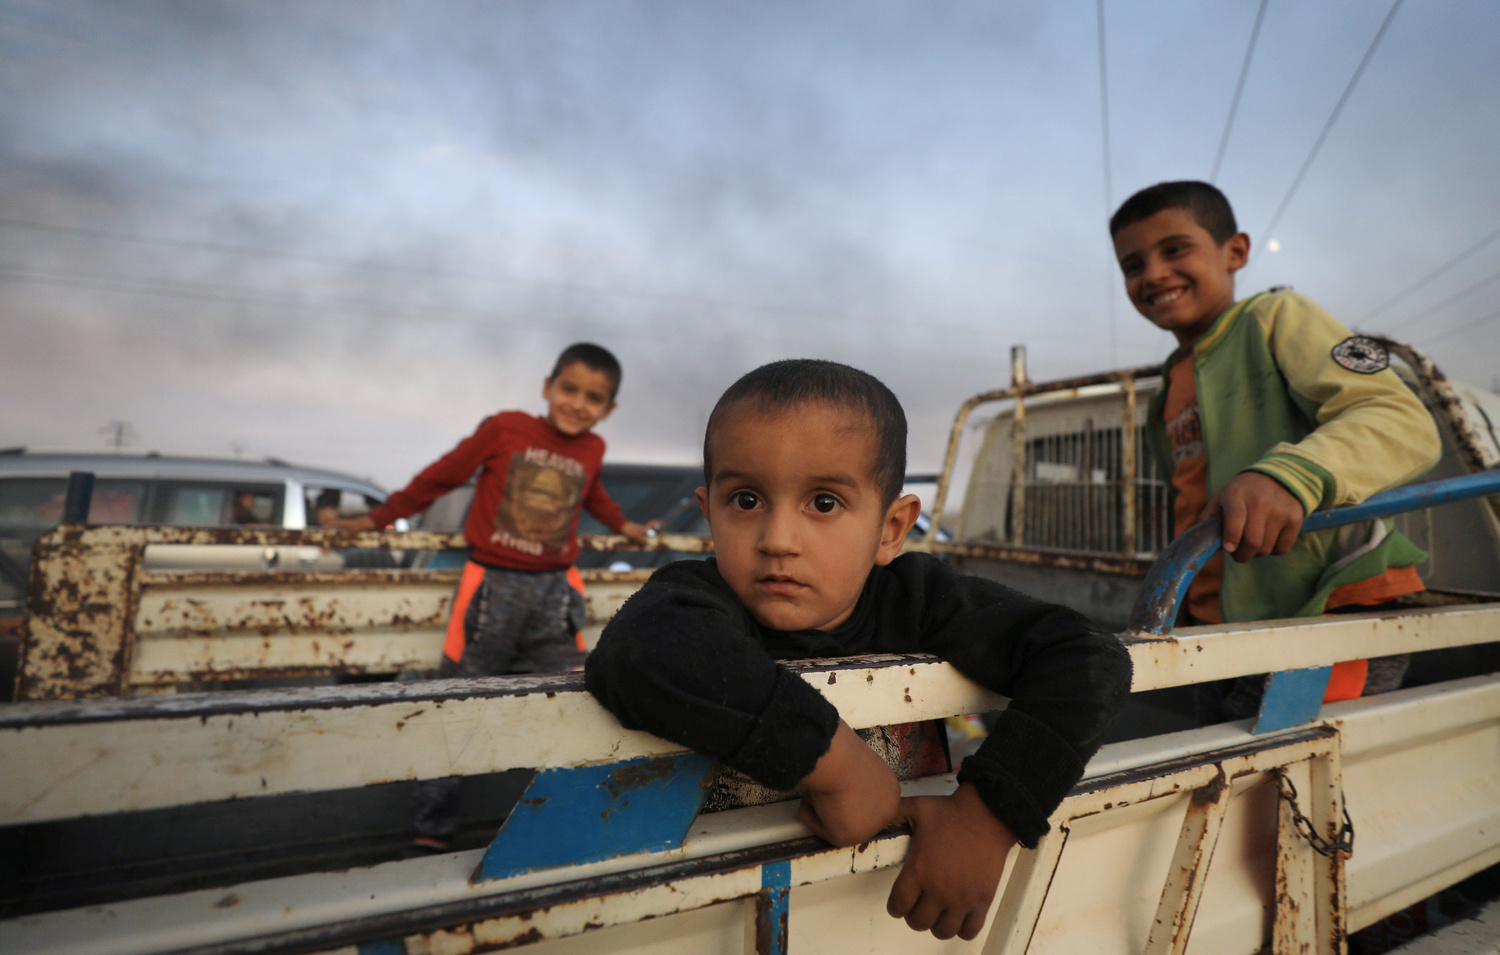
{"x": 100, "y": 623}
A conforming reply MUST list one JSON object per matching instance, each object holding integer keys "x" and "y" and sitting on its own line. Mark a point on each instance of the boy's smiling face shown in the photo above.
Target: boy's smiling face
{"x": 796, "y": 516}
{"x": 578, "y": 397}
{"x": 1176, "y": 274}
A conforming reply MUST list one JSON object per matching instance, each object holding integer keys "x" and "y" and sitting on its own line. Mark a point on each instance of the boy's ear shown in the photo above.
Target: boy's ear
{"x": 1237, "y": 249}
{"x": 702, "y": 495}
{"x": 546, "y": 387}
{"x": 900, "y": 517}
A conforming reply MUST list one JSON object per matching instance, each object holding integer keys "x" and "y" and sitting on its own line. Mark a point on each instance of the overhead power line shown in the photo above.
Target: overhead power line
{"x": 1470, "y": 290}
{"x": 1464, "y": 327}
{"x": 1239, "y": 87}
{"x": 1440, "y": 270}
{"x": 388, "y": 266}
{"x": 1332, "y": 118}
{"x": 1109, "y": 193}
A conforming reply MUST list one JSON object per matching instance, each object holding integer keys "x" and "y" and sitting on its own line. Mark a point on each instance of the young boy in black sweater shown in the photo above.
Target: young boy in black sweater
{"x": 803, "y": 462}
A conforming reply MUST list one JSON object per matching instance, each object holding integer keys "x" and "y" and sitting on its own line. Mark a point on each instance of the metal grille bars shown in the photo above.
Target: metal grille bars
{"x": 1020, "y": 389}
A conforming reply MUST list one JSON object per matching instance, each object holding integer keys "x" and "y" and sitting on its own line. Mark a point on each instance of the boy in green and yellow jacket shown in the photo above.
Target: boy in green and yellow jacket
{"x": 1269, "y": 409}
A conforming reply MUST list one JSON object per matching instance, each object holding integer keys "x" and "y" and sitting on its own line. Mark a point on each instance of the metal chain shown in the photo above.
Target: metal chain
{"x": 1345, "y": 844}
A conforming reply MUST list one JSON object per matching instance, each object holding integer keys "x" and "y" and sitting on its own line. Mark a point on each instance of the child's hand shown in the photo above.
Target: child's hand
{"x": 1260, "y": 516}
{"x": 640, "y": 533}
{"x": 360, "y": 523}
{"x": 957, "y": 856}
{"x": 852, "y": 793}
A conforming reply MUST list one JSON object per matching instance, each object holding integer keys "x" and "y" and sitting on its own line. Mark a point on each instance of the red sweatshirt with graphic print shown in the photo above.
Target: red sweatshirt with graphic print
{"x": 532, "y": 481}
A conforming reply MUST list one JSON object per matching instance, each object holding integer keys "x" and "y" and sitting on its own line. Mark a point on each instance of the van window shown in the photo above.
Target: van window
{"x": 200, "y": 505}
{"x": 31, "y": 502}
{"x": 345, "y": 502}
{"x": 38, "y": 502}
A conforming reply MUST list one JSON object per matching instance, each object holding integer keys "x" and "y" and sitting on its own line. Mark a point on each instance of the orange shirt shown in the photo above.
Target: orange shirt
{"x": 1190, "y": 480}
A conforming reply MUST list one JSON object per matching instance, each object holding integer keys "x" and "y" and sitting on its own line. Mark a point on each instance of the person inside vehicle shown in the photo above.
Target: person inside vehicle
{"x": 326, "y": 507}
{"x": 246, "y": 509}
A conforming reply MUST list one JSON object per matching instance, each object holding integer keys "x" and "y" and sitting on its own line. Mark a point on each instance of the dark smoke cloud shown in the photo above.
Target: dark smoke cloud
{"x": 430, "y": 200}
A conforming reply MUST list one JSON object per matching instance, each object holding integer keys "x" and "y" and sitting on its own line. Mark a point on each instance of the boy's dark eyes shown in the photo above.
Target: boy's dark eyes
{"x": 744, "y": 500}
{"x": 826, "y": 503}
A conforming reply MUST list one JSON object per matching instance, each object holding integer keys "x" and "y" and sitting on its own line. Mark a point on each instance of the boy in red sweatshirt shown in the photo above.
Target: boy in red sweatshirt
{"x": 518, "y": 610}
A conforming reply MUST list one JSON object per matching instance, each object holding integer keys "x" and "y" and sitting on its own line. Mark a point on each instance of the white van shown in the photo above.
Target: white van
{"x": 147, "y": 487}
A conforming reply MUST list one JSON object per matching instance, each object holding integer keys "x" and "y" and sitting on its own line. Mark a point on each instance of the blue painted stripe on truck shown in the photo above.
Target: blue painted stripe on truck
{"x": 1292, "y": 697}
{"x": 772, "y": 908}
{"x": 588, "y": 813}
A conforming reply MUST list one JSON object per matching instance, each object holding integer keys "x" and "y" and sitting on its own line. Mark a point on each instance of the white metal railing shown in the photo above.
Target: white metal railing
{"x": 98, "y": 623}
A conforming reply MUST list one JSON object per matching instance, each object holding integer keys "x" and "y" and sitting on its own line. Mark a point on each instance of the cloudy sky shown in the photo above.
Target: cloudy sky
{"x": 341, "y": 233}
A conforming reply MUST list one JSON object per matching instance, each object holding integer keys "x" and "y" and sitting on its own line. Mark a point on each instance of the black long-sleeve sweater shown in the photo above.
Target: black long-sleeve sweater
{"x": 683, "y": 659}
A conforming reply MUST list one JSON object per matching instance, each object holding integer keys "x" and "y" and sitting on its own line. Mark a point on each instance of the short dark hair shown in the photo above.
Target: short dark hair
{"x": 783, "y": 385}
{"x": 1205, "y": 203}
{"x": 596, "y": 357}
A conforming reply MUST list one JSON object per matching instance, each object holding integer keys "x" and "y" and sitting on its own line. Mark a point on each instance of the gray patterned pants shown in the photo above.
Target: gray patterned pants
{"x": 517, "y": 622}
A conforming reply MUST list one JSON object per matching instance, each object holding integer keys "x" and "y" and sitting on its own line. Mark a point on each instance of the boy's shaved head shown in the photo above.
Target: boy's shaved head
{"x": 784, "y": 385}
{"x": 594, "y": 356}
{"x": 1206, "y": 204}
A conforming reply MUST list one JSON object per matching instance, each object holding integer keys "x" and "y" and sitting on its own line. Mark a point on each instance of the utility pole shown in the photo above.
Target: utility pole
{"x": 120, "y": 433}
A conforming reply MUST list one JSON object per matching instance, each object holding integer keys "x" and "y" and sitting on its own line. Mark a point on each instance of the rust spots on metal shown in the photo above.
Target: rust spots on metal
{"x": 906, "y": 694}
{"x": 686, "y": 543}
{"x": 637, "y": 775}
{"x": 765, "y": 928}
{"x": 1287, "y": 907}
{"x": 227, "y": 902}
{"x": 833, "y": 678}
{"x": 80, "y": 608}
{"x": 89, "y": 592}
{"x": 532, "y": 934}
{"x": 1211, "y": 793}
{"x": 1446, "y": 402}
